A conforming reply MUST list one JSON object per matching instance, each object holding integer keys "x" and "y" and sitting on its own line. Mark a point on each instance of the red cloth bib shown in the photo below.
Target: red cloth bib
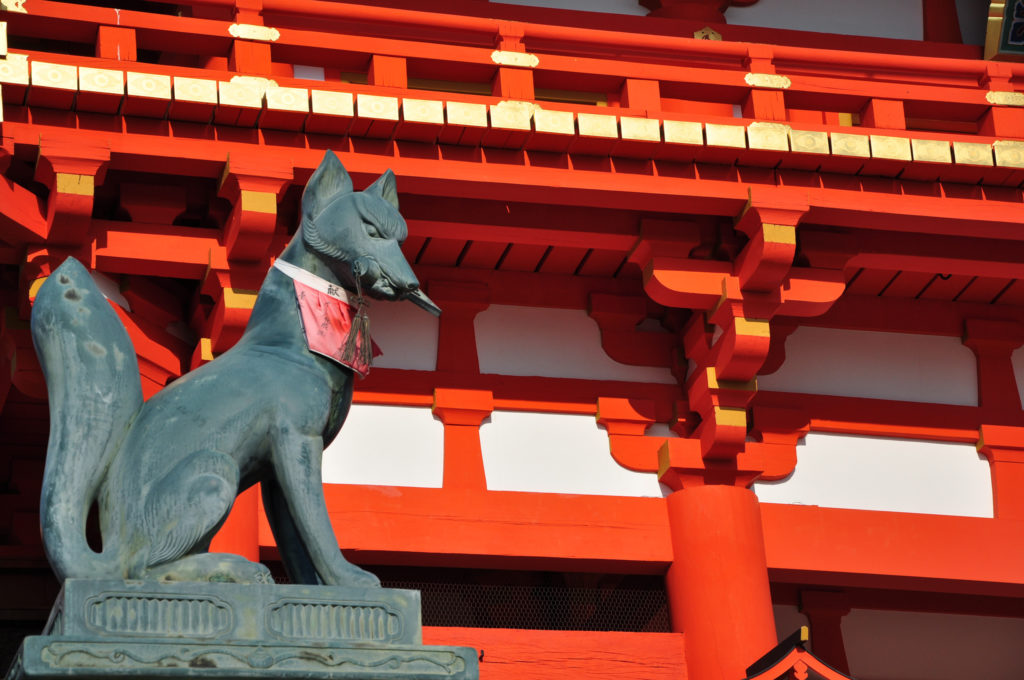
{"x": 327, "y": 322}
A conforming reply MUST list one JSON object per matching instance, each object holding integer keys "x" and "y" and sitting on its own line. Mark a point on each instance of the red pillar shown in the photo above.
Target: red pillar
{"x": 240, "y": 533}
{"x": 718, "y": 588}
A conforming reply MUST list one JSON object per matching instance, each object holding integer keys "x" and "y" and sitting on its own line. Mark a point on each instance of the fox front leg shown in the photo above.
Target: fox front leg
{"x": 297, "y": 465}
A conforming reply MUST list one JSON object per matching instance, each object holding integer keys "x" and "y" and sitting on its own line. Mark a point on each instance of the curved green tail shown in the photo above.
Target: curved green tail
{"x": 92, "y": 378}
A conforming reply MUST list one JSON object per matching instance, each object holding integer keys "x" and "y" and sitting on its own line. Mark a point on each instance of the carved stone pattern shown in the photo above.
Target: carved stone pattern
{"x": 328, "y": 621}
{"x": 114, "y": 655}
{"x": 158, "y": 615}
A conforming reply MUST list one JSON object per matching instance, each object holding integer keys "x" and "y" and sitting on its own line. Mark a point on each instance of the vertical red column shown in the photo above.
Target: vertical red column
{"x": 240, "y": 533}
{"x": 718, "y": 589}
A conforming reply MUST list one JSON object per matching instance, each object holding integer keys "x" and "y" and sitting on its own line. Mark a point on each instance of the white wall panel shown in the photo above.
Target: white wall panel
{"x": 888, "y": 645}
{"x": 406, "y": 335}
{"x": 877, "y": 473}
{"x": 878, "y": 18}
{"x": 556, "y": 453}
{"x": 901, "y": 366}
{"x": 557, "y": 343}
{"x": 387, "y": 445}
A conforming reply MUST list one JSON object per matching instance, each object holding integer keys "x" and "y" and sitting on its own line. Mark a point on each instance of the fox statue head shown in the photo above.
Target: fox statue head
{"x": 359, "y": 234}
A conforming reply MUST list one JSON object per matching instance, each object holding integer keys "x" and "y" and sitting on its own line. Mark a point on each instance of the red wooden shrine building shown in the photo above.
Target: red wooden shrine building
{"x": 732, "y": 332}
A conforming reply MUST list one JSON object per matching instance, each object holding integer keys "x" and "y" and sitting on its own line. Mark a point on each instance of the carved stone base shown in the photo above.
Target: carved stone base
{"x": 143, "y": 629}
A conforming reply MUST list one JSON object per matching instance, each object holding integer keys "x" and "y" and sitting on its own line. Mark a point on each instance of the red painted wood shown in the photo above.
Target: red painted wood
{"x": 602, "y": 655}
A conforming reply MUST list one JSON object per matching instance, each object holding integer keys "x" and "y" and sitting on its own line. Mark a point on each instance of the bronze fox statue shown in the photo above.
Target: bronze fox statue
{"x": 165, "y": 472}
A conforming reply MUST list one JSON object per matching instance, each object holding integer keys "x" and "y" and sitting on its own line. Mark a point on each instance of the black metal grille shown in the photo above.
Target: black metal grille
{"x": 537, "y": 600}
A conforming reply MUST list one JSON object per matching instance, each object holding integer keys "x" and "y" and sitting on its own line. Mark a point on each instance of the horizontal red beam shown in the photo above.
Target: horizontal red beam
{"x": 516, "y": 654}
{"x": 804, "y": 544}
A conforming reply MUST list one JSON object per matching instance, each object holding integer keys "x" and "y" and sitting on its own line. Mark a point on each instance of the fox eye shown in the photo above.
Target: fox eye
{"x": 372, "y": 231}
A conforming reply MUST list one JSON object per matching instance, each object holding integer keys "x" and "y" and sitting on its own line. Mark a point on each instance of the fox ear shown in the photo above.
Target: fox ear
{"x": 384, "y": 186}
{"x": 328, "y": 182}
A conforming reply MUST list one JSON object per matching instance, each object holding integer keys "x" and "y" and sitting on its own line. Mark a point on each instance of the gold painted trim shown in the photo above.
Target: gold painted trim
{"x": 768, "y": 136}
{"x": 1009, "y": 154}
{"x": 423, "y": 111}
{"x": 1002, "y": 98}
{"x": 206, "y": 349}
{"x": 104, "y": 80}
{"x": 683, "y": 132}
{"x": 779, "y": 233}
{"x": 377, "y": 107}
{"x": 258, "y": 201}
{"x": 332, "y": 103}
{"x": 14, "y": 6}
{"x": 733, "y": 136}
{"x": 3, "y": 38}
{"x": 759, "y": 328}
{"x": 707, "y": 33}
{"x": 239, "y": 298}
{"x": 77, "y": 185}
{"x": 14, "y": 69}
{"x": 771, "y": 80}
{"x": 973, "y": 153}
{"x": 994, "y": 28}
{"x": 931, "y": 150}
{"x": 808, "y": 141}
{"x": 522, "y": 59}
{"x": 254, "y": 32}
{"x": 730, "y": 417}
{"x": 844, "y": 144}
{"x": 198, "y": 90}
{"x": 33, "y": 288}
{"x": 642, "y": 129}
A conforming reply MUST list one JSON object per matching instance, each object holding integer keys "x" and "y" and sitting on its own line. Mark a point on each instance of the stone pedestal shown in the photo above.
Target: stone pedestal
{"x": 144, "y": 629}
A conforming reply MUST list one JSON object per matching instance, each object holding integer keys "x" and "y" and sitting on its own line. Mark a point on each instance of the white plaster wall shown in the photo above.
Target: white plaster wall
{"x": 557, "y": 343}
{"x": 1018, "y": 370}
{"x": 406, "y": 335}
{"x": 878, "y": 18}
{"x": 611, "y": 6}
{"x": 885, "y": 645}
{"x": 387, "y": 445}
{"x": 877, "y": 473}
{"x": 556, "y": 453}
{"x": 900, "y": 366}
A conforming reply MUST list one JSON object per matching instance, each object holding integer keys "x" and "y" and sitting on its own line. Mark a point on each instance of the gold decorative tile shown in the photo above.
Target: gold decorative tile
{"x": 643, "y": 129}
{"x": 106, "y": 81}
{"x": 1000, "y": 98}
{"x": 288, "y": 99}
{"x": 512, "y": 115}
{"x": 683, "y": 132}
{"x": 556, "y": 122}
{"x": 597, "y": 125}
{"x": 58, "y": 76}
{"x": 14, "y": 6}
{"x": 3, "y": 38}
{"x": 808, "y": 141}
{"x": 461, "y": 113}
{"x": 770, "y": 80}
{"x": 423, "y": 111}
{"x": 375, "y": 106}
{"x": 931, "y": 150}
{"x": 733, "y": 136}
{"x": 254, "y": 32}
{"x": 971, "y": 153}
{"x": 332, "y": 103}
{"x": 1009, "y": 154}
{"x": 199, "y": 90}
{"x": 149, "y": 85}
{"x": 14, "y": 69}
{"x": 522, "y": 59}
{"x": 845, "y": 144}
{"x": 890, "y": 148}
{"x": 768, "y": 136}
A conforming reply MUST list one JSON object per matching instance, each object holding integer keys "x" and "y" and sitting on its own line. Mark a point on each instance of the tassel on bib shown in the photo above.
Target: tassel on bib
{"x": 358, "y": 349}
